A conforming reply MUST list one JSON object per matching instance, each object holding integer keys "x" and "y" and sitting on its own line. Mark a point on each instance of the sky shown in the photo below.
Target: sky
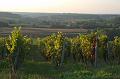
{"x": 62, "y": 6}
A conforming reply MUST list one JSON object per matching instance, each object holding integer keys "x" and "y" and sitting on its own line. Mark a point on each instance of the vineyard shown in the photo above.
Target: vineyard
{"x": 86, "y": 56}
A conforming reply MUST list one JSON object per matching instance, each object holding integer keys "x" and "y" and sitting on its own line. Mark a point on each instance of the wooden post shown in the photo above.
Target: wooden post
{"x": 108, "y": 51}
{"x": 96, "y": 50}
{"x": 13, "y": 72}
{"x": 63, "y": 53}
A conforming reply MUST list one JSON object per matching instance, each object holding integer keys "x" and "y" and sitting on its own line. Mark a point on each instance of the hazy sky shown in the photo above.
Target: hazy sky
{"x": 72, "y": 6}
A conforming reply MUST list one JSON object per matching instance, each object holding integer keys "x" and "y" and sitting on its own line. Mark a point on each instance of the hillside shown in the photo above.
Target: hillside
{"x": 60, "y": 20}
{"x": 9, "y": 15}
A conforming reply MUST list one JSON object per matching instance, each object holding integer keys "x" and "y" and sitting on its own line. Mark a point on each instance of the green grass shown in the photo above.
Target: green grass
{"x": 45, "y": 70}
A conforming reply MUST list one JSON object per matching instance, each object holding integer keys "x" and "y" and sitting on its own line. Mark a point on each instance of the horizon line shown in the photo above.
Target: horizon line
{"x": 63, "y": 12}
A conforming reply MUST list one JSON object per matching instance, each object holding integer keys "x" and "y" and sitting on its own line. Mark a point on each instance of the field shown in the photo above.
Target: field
{"x": 35, "y": 32}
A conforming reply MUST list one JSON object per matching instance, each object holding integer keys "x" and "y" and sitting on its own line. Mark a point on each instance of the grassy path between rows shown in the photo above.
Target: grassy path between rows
{"x": 45, "y": 70}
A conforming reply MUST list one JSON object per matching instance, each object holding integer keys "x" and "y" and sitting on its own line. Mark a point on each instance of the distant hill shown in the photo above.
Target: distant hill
{"x": 9, "y": 15}
{"x": 60, "y": 20}
{"x": 67, "y": 15}
{"x": 35, "y": 15}
{"x": 3, "y": 24}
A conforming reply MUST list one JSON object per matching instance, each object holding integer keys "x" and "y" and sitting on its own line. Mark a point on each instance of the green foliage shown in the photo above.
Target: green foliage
{"x": 86, "y": 45}
{"x": 17, "y": 46}
{"x": 75, "y": 48}
{"x": 1, "y": 45}
{"x": 116, "y": 48}
{"x": 80, "y": 48}
{"x": 51, "y": 47}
